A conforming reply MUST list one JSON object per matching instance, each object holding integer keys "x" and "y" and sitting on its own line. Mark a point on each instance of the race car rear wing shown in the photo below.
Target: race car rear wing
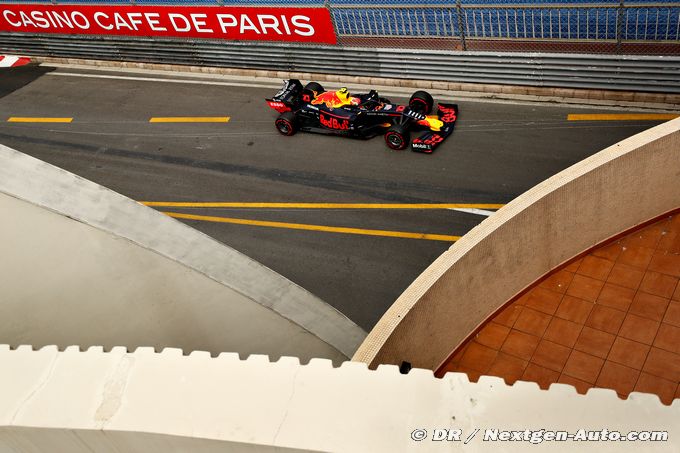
{"x": 427, "y": 142}
{"x": 288, "y": 97}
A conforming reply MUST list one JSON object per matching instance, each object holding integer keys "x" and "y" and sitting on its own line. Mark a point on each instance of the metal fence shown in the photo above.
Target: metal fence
{"x": 605, "y": 26}
{"x": 576, "y": 44}
{"x": 593, "y": 22}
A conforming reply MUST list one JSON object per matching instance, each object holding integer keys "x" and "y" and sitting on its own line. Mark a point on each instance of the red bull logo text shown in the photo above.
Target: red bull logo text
{"x": 333, "y": 123}
{"x": 448, "y": 114}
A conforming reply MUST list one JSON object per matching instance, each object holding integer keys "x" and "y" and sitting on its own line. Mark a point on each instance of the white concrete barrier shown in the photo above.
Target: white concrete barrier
{"x": 80, "y": 264}
{"x": 74, "y": 401}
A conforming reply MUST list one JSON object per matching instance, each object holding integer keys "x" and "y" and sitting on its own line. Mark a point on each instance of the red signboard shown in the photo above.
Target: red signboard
{"x": 209, "y": 22}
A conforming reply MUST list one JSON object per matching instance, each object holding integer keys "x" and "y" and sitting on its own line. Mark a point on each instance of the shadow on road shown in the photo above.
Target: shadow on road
{"x": 12, "y": 79}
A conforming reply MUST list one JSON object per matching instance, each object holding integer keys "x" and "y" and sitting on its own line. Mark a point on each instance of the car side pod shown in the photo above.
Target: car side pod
{"x": 427, "y": 142}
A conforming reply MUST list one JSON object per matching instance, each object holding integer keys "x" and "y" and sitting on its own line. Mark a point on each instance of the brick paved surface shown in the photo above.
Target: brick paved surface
{"x": 610, "y": 319}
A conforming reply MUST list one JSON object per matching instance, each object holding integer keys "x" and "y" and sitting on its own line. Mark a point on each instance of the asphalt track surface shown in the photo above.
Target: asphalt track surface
{"x": 498, "y": 151}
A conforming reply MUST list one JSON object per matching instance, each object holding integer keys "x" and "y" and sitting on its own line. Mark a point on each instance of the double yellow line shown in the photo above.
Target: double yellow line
{"x": 322, "y": 228}
{"x": 182, "y": 204}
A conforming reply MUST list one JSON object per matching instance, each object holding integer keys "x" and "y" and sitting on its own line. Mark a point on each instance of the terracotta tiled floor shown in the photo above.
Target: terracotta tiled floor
{"x": 610, "y": 319}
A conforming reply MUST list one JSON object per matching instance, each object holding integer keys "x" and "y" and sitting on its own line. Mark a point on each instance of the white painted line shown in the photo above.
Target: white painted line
{"x": 156, "y": 79}
{"x": 483, "y": 212}
{"x": 161, "y": 72}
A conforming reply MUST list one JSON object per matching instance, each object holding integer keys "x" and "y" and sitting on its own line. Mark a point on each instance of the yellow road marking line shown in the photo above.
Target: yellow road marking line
{"x": 190, "y": 119}
{"x": 327, "y": 229}
{"x": 620, "y": 116}
{"x": 22, "y": 119}
{"x": 173, "y": 204}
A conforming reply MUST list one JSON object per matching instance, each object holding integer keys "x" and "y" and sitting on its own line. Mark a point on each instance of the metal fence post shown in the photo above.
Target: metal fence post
{"x": 459, "y": 9}
{"x": 327, "y": 5}
{"x": 619, "y": 26}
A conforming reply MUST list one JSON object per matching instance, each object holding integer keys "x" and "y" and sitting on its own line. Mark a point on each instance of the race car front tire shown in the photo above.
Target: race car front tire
{"x": 286, "y": 123}
{"x": 397, "y": 137}
{"x": 421, "y": 101}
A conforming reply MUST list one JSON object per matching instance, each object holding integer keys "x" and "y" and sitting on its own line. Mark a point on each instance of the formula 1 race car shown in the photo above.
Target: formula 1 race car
{"x": 311, "y": 109}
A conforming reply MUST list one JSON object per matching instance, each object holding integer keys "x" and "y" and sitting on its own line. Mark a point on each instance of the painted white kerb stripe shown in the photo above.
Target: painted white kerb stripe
{"x": 483, "y": 212}
{"x": 8, "y": 61}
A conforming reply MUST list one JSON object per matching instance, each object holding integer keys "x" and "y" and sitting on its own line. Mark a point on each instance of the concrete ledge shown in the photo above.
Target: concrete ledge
{"x": 146, "y": 402}
{"x": 622, "y": 186}
{"x": 605, "y": 97}
{"x": 85, "y": 265}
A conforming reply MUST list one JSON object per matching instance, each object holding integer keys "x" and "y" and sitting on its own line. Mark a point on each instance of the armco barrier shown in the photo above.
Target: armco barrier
{"x": 618, "y": 188}
{"x": 610, "y": 72}
{"x": 447, "y": 38}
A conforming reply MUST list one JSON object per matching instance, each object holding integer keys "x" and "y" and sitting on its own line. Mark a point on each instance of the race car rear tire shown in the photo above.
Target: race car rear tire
{"x": 316, "y": 87}
{"x": 421, "y": 101}
{"x": 397, "y": 137}
{"x": 286, "y": 123}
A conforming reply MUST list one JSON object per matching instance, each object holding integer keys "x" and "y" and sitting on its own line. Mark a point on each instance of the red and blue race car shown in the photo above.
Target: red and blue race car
{"x": 312, "y": 109}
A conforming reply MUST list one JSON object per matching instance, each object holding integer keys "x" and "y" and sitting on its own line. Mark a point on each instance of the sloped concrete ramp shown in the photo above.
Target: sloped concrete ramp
{"x": 83, "y": 265}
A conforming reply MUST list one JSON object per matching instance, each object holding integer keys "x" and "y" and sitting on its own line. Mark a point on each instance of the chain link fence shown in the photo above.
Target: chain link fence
{"x": 607, "y": 45}
{"x": 577, "y": 26}
{"x": 574, "y": 26}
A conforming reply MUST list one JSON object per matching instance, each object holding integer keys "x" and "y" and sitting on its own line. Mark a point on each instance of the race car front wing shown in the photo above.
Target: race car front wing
{"x": 427, "y": 142}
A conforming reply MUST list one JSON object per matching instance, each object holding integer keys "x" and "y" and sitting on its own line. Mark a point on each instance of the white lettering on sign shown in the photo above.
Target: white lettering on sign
{"x": 199, "y": 23}
{"x": 303, "y": 23}
{"x": 153, "y": 20}
{"x": 186, "y": 24}
{"x": 244, "y": 23}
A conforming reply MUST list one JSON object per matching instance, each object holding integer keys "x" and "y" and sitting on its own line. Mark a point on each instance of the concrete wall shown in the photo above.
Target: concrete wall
{"x": 75, "y": 402}
{"x": 620, "y": 187}
{"x": 80, "y": 264}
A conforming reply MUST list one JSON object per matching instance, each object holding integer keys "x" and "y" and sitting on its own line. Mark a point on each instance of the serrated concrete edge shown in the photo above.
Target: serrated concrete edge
{"x": 144, "y": 401}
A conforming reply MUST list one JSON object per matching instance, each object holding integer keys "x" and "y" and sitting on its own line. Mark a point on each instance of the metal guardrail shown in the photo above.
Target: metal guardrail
{"x": 446, "y": 38}
{"x": 637, "y": 73}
